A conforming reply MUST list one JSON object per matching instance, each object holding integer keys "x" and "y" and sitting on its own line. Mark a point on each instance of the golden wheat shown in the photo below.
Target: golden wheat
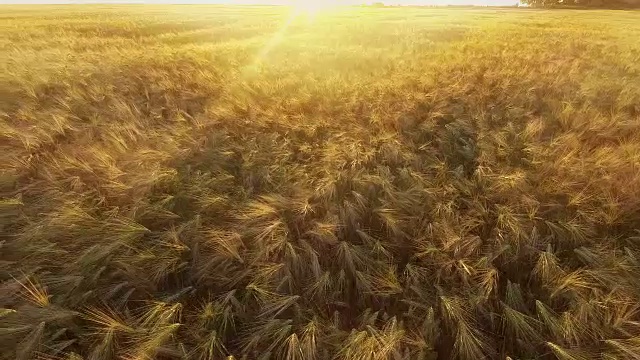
{"x": 207, "y": 182}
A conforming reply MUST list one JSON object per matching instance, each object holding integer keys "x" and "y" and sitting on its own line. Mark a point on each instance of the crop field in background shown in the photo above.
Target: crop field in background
{"x": 202, "y": 182}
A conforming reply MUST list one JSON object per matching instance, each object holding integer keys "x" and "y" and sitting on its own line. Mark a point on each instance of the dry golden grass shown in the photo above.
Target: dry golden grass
{"x": 233, "y": 182}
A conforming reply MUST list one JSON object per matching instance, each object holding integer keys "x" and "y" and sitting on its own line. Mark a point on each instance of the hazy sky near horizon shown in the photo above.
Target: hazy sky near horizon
{"x": 266, "y": 2}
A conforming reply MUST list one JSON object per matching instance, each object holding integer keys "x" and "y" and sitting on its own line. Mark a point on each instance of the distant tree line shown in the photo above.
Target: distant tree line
{"x": 605, "y": 4}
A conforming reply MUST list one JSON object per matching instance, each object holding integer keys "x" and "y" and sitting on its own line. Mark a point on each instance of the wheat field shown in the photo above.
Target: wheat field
{"x": 207, "y": 182}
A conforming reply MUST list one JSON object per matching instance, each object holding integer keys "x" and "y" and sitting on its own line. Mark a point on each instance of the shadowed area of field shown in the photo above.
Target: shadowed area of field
{"x": 204, "y": 182}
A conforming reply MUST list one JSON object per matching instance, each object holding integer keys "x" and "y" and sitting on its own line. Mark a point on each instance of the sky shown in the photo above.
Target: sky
{"x": 244, "y": 2}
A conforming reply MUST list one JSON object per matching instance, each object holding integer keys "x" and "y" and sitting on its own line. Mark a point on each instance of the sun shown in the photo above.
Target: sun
{"x": 313, "y": 7}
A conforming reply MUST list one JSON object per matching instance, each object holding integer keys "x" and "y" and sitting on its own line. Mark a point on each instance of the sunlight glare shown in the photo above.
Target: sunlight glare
{"x": 313, "y": 7}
